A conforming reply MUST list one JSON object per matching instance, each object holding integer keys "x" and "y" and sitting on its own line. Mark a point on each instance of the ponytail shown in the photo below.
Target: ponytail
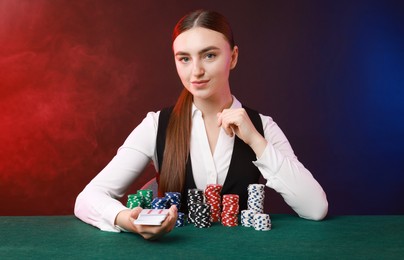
{"x": 177, "y": 143}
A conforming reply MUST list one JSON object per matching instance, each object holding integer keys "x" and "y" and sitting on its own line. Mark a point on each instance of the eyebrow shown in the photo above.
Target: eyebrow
{"x": 210, "y": 48}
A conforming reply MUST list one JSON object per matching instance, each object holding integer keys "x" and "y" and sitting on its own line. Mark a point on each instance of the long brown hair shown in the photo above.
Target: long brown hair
{"x": 178, "y": 134}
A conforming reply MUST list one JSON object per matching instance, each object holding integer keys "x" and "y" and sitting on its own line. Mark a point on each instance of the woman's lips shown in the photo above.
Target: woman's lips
{"x": 199, "y": 83}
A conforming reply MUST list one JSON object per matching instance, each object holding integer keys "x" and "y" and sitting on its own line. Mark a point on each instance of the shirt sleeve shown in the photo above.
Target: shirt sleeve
{"x": 286, "y": 175}
{"x": 98, "y": 203}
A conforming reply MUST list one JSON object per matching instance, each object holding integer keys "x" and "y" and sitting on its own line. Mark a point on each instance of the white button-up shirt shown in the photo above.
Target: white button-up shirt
{"x": 208, "y": 168}
{"x": 97, "y": 204}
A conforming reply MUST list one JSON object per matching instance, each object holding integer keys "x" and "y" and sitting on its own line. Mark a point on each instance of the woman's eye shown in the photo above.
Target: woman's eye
{"x": 210, "y": 56}
{"x": 184, "y": 59}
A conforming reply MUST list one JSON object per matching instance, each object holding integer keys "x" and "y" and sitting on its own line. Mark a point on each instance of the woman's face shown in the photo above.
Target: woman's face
{"x": 203, "y": 58}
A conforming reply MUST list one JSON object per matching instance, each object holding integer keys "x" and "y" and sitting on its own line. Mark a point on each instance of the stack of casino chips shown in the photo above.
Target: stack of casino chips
{"x": 180, "y": 220}
{"x": 247, "y": 217}
{"x": 174, "y": 198}
{"x": 194, "y": 196}
{"x": 198, "y": 210}
{"x": 147, "y": 197}
{"x": 256, "y": 196}
{"x": 200, "y": 214}
{"x": 159, "y": 203}
{"x": 262, "y": 222}
{"x": 170, "y": 198}
{"x": 142, "y": 199}
{"x": 254, "y": 216}
{"x": 134, "y": 200}
{"x": 259, "y": 221}
{"x": 230, "y": 210}
{"x": 213, "y": 198}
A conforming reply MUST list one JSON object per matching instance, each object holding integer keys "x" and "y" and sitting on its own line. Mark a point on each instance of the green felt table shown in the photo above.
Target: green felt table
{"x": 337, "y": 237}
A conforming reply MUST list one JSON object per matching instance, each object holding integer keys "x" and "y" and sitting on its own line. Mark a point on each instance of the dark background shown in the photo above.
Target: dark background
{"x": 77, "y": 76}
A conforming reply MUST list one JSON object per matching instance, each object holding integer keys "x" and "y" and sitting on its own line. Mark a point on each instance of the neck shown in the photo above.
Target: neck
{"x": 215, "y": 105}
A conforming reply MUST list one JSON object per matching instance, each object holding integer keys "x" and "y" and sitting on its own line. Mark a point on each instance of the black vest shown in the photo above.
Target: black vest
{"x": 241, "y": 173}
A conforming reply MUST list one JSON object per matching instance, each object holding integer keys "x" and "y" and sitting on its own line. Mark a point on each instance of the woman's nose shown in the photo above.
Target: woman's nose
{"x": 198, "y": 69}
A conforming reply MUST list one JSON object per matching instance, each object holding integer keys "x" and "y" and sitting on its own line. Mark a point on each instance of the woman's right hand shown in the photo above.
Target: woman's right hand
{"x": 125, "y": 220}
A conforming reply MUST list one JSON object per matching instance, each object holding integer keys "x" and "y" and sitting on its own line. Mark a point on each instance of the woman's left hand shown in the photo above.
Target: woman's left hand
{"x": 236, "y": 121}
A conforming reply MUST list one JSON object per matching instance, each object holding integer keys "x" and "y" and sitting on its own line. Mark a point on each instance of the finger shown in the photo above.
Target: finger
{"x": 169, "y": 223}
{"x": 227, "y": 119}
{"x": 135, "y": 212}
{"x": 173, "y": 214}
{"x": 173, "y": 208}
{"x": 227, "y": 127}
{"x": 219, "y": 119}
{"x": 153, "y": 232}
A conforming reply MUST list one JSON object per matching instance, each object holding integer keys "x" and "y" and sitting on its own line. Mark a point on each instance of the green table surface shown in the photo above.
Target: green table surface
{"x": 337, "y": 237}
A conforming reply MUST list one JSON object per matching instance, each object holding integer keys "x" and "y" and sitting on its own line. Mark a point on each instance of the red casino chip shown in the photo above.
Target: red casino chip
{"x": 230, "y": 210}
{"x": 212, "y": 195}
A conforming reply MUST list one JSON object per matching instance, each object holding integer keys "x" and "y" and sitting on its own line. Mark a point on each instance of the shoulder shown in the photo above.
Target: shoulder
{"x": 153, "y": 117}
{"x": 166, "y": 112}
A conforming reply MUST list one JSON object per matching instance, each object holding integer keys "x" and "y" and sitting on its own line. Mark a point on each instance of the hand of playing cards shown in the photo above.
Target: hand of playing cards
{"x": 152, "y": 217}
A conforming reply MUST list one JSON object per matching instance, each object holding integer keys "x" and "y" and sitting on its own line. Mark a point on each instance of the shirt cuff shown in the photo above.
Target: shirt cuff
{"x": 109, "y": 217}
{"x": 120, "y": 228}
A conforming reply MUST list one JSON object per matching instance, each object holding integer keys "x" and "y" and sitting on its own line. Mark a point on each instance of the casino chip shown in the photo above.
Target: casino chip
{"x": 180, "y": 220}
{"x": 229, "y": 216}
{"x": 147, "y": 197}
{"x": 247, "y": 217}
{"x": 254, "y": 216}
{"x": 199, "y": 212}
{"x": 201, "y": 215}
{"x": 144, "y": 199}
{"x": 213, "y": 198}
{"x": 159, "y": 203}
{"x": 174, "y": 198}
{"x": 262, "y": 222}
{"x": 256, "y": 197}
{"x": 134, "y": 200}
{"x": 194, "y": 196}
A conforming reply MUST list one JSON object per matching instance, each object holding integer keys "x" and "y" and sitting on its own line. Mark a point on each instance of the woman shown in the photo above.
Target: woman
{"x": 207, "y": 137}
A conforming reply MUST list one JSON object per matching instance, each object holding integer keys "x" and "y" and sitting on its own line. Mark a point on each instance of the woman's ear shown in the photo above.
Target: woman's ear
{"x": 234, "y": 57}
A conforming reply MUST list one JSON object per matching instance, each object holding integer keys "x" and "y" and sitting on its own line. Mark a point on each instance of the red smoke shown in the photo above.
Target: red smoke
{"x": 59, "y": 75}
